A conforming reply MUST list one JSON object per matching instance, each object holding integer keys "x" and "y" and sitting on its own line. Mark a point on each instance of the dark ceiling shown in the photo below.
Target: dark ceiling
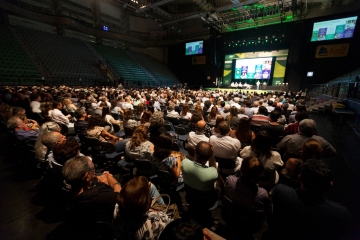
{"x": 233, "y": 15}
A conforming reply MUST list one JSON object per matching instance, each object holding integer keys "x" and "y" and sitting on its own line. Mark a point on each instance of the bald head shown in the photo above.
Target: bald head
{"x": 201, "y": 126}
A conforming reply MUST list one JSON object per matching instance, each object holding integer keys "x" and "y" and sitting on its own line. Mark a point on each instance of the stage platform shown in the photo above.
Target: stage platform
{"x": 243, "y": 90}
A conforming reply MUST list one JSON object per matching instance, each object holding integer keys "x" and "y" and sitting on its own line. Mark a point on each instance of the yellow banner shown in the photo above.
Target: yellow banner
{"x": 198, "y": 60}
{"x": 334, "y": 50}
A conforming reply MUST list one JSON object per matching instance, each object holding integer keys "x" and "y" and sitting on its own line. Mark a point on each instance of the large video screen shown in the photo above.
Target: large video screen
{"x": 334, "y": 29}
{"x": 193, "y": 48}
{"x": 253, "y": 68}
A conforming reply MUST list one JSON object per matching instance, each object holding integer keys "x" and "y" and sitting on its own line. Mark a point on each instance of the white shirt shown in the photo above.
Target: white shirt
{"x": 173, "y": 114}
{"x": 255, "y": 109}
{"x": 126, "y": 105}
{"x": 59, "y": 117}
{"x": 35, "y": 107}
{"x": 195, "y": 138}
{"x": 187, "y": 116}
{"x": 227, "y": 147}
{"x": 236, "y": 105}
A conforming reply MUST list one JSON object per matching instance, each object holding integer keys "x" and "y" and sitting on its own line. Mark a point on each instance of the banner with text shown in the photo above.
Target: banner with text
{"x": 198, "y": 60}
{"x": 334, "y": 50}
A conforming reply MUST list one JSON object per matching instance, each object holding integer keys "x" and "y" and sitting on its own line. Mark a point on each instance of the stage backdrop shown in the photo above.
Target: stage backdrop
{"x": 278, "y": 70}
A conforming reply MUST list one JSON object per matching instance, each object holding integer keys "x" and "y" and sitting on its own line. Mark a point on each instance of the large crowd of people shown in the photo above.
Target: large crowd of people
{"x": 255, "y": 149}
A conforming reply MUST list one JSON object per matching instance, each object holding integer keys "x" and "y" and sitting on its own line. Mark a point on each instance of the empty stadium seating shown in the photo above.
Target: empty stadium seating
{"x": 123, "y": 64}
{"x": 15, "y": 65}
{"x": 161, "y": 73}
{"x": 65, "y": 57}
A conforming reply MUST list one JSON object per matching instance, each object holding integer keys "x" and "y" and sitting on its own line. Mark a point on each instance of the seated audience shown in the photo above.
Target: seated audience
{"x": 128, "y": 121}
{"x": 185, "y": 112}
{"x": 244, "y": 190}
{"x": 21, "y": 131}
{"x": 292, "y": 144}
{"x": 182, "y": 228}
{"x": 213, "y": 115}
{"x": 107, "y": 118}
{"x": 293, "y": 128}
{"x": 305, "y": 213}
{"x": 261, "y": 149}
{"x": 139, "y": 111}
{"x": 172, "y": 113}
{"x": 243, "y": 132}
{"x": 273, "y": 128}
{"x": 233, "y": 118}
{"x": 57, "y": 116}
{"x": 261, "y": 117}
{"x": 226, "y": 147}
{"x": 215, "y": 129}
{"x": 93, "y": 197}
{"x": 139, "y": 145}
{"x": 40, "y": 148}
{"x": 195, "y": 118}
{"x": 81, "y": 124}
{"x": 156, "y": 126}
{"x": 145, "y": 118}
{"x": 162, "y": 159}
{"x": 134, "y": 218}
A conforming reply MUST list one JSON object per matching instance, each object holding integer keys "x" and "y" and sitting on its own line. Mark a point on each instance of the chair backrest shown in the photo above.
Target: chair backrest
{"x": 201, "y": 199}
{"x": 115, "y": 116}
{"x": 225, "y": 163}
{"x": 251, "y": 218}
{"x": 121, "y": 144}
{"x": 166, "y": 177}
{"x": 92, "y": 142}
{"x": 167, "y": 126}
{"x": 184, "y": 121}
{"x": 143, "y": 167}
{"x": 128, "y": 132}
{"x": 175, "y": 147}
{"x": 180, "y": 130}
{"x": 107, "y": 147}
{"x": 174, "y": 121}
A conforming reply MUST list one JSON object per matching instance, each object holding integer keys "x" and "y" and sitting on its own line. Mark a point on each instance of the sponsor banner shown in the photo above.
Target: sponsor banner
{"x": 334, "y": 50}
{"x": 198, "y": 60}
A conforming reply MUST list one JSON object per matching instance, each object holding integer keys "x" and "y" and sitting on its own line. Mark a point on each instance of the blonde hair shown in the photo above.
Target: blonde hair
{"x": 40, "y": 149}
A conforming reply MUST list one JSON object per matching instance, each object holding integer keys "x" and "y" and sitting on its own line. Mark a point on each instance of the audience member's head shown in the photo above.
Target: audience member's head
{"x": 162, "y": 146}
{"x": 263, "y": 111}
{"x": 51, "y": 139}
{"x": 139, "y": 136}
{"x": 79, "y": 171}
{"x": 201, "y": 126}
{"x": 261, "y": 145}
{"x": 80, "y": 113}
{"x": 203, "y": 152}
{"x": 96, "y": 120}
{"x": 15, "y": 124}
{"x": 299, "y": 116}
{"x": 307, "y": 127}
{"x": 145, "y": 118}
{"x": 224, "y": 128}
{"x": 134, "y": 198}
{"x": 312, "y": 149}
{"x": 157, "y": 119}
{"x": 66, "y": 150}
{"x": 315, "y": 177}
{"x": 181, "y": 229}
{"x": 251, "y": 170}
{"x": 128, "y": 114}
{"x": 275, "y": 115}
{"x": 196, "y": 117}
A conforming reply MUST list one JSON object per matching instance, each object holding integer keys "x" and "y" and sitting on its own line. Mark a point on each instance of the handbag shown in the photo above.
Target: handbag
{"x": 171, "y": 210}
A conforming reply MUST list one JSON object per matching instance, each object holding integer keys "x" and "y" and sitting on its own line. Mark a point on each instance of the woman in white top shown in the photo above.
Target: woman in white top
{"x": 35, "y": 103}
{"x": 261, "y": 149}
{"x": 185, "y": 113}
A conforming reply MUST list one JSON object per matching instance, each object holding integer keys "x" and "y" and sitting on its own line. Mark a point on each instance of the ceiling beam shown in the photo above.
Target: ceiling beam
{"x": 153, "y": 5}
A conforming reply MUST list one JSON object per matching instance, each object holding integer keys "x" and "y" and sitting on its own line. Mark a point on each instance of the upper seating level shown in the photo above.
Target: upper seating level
{"x": 123, "y": 64}
{"x": 64, "y": 57}
{"x": 162, "y": 73}
{"x": 15, "y": 64}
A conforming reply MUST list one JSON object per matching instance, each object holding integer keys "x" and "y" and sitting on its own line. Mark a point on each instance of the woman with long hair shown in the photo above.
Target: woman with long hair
{"x": 243, "y": 132}
{"x": 109, "y": 119}
{"x": 139, "y": 145}
{"x": 185, "y": 112}
{"x": 233, "y": 118}
{"x": 261, "y": 149}
{"x": 69, "y": 106}
{"x": 215, "y": 129}
{"x": 139, "y": 111}
{"x": 145, "y": 118}
{"x": 128, "y": 121}
{"x": 133, "y": 217}
{"x": 162, "y": 159}
{"x": 213, "y": 115}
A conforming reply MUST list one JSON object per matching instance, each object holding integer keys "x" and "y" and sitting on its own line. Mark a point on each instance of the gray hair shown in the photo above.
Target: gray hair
{"x": 171, "y": 106}
{"x": 79, "y": 112}
{"x": 50, "y": 139}
{"x": 307, "y": 127}
{"x": 75, "y": 169}
{"x": 13, "y": 122}
{"x": 40, "y": 148}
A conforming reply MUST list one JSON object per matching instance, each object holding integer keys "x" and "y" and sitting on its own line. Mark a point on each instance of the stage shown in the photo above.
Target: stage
{"x": 269, "y": 89}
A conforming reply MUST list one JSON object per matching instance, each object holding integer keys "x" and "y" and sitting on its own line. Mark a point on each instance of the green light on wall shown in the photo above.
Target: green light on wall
{"x": 289, "y": 18}
{"x": 266, "y": 40}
